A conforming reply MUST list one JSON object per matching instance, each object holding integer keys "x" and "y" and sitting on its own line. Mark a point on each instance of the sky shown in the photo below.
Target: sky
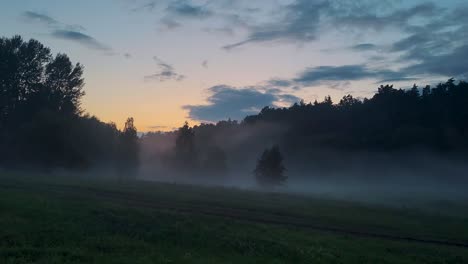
{"x": 167, "y": 61}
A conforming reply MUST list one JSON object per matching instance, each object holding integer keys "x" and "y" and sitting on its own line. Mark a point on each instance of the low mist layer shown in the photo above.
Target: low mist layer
{"x": 401, "y": 144}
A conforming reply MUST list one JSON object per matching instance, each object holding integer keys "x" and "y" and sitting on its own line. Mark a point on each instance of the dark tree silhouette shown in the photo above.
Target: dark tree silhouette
{"x": 270, "y": 168}
{"x": 185, "y": 147}
{"x": 129, "y": 146}
{"x": 31, "y": 80}
{"x": 41, "y": 120}
{"x": 403, "y": 121}
{"x": 65, "y": 84}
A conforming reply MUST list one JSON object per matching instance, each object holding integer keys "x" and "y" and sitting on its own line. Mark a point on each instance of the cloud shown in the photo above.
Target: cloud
{"x": 182, "y": 9}
{"x": 364, "y": 47}
{"x": 127, "y": 55}
{"x": 426, "y": 42}
{"x": 165, "y": 72}
{"x": 299, "y": 24}
{"x": 450, "y": 64}
{"x": 33, "y": 17}
{"x": 65, "y": 31}
{"x": 228, "y": 102}
{"x": 318, "y": 75}
{"x": 80, "y": 38}
{"x": 280, "y": 82}
{"x": 435, "y": 47}
{"x": 339, "y": 77}
{"x": 169, "y": 23}
{"x": 149, "y": 6}
{"x": 48, "y": 21}
{"x": 287, "y": 98}
{"x": 370, "y": 19}
{"x": 172, "y": 11}
{"x": 185, "y": 8}
{"x": 304, "y": 20}
{"x": 226, "y": 16}
{"x": 205, "y": 64}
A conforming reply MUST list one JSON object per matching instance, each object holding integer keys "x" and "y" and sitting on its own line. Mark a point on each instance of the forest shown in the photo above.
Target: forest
{"x": 43, "y": 126}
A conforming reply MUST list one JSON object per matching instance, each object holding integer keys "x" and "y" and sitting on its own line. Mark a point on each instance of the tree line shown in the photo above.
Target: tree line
{"x": 42, "y": 125}
{"x": 431, "y": 119}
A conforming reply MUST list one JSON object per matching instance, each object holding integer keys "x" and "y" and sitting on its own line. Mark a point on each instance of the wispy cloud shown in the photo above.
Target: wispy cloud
{"x": 48, "y": 21}
{"x": 339, "y": 77}
{"x": 364, "y": 47}
{"x": 448, "y": 65}
{"x": 148, "y": 6}
{"x": 185, "y": 8}
{"x": 300, "y": 22}
{"x": 165, "y": 72}
{"x": 65, "y": 31}
{"x": 33, "y": 17}
{"x": 80, "y": 38}
{"x": 303, "y": 21}
{"x": 316, "y": 75}
{"x": 169, "y": 23}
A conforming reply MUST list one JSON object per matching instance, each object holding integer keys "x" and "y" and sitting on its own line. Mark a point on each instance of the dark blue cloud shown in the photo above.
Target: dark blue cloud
{"x": 449, "y": 64}
{"x": 435, "y": 47}
{"x": 48, "y": 21}
{"x": 300, "y": 23}
{"x": 303, "y": 20}
{"x": 65, "y": 31}
{"x": 318, "y": 75}
{"x": 80, "y": 38}
{"x": 34, "y": 17}
{"x": 370, "y": 19}
{"x": 228, "y": 102}
{"x": 364, "y": 47}
{"x": 185, "y": 8}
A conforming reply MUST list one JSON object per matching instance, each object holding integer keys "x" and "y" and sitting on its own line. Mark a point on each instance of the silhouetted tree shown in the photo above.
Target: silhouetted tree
{"x": 348, "y": 102}
{"x": 31, "y": 80}
{"x": 65, "y": 84}
{"x": 270, "y": 168}
{"x": 41, "y": 120}
{"x": 185, "y": 147}
{"x": 129, "y": 146}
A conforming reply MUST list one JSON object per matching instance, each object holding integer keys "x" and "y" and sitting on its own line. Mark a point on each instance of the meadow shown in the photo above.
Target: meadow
{"x": 62, "y": 220}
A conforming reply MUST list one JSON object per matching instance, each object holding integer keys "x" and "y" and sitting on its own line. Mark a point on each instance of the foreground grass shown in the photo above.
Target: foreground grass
{"x": 53, "y": 221}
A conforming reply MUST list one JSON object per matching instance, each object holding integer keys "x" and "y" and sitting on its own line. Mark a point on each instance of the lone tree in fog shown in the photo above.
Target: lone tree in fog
{"x": 270, "y": 168}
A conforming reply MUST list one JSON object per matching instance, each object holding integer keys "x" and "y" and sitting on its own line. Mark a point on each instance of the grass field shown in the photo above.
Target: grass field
{"x": 82, "y": 221}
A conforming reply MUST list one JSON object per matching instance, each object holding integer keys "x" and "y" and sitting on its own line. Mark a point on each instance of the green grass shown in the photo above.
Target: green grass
{"x": 82, "y": 221}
